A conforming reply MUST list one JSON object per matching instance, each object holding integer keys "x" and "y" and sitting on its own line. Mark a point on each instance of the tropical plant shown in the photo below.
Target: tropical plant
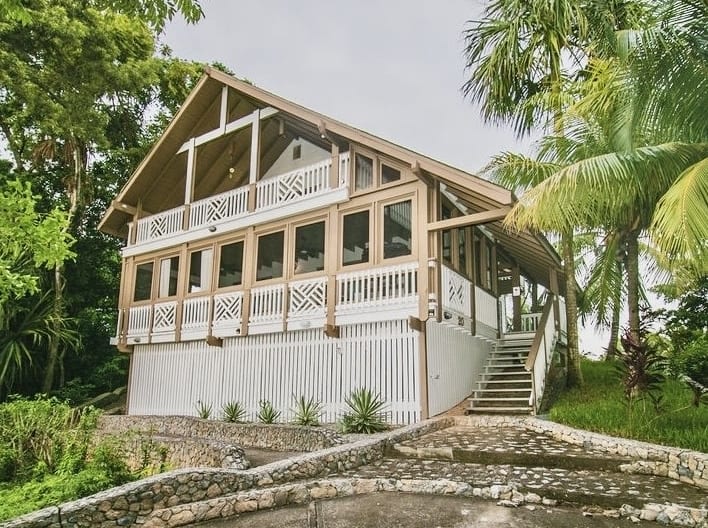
{"x": 203, "y": 409}
{"x": 233, "y": 412}
{"x": 691, "y": 366}
{"x": 641, "y": 369}
{"x": 365, "y": 414}
{"x": 267, "y": 413}
{"x": 307, "y": 411}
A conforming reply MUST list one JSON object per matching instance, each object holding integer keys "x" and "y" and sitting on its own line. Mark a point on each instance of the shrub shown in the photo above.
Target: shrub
{"x": 267, "y": 413}
{"x": 203, "y": 409}
{"x": 234, "y": 412}
{"x": 641, "y": 370}
{"x": 8, "y": 464}
{"x": 691, "y": 365}
{"x": 364, "y": 414}
{"x": 307, "y": 411}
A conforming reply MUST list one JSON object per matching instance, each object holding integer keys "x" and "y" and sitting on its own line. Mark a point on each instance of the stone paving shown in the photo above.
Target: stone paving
{"x": 535, "y": 463}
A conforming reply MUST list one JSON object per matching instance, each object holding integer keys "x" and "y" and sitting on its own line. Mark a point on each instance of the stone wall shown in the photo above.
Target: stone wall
{"x": 684, "y": 465}
{"x": 135, "y": 502}
{"x": 278, "y": 437}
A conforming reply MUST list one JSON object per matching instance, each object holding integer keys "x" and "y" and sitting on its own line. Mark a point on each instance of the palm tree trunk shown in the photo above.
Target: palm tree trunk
{"x": 632, "y": 267}
{"x": 575, "y": 375}
{"x": 614, "y": 333}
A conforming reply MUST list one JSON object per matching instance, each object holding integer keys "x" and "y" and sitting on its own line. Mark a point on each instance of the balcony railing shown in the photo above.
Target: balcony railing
{"x": 271, "y": 194}
{"x": 381, "y": 293}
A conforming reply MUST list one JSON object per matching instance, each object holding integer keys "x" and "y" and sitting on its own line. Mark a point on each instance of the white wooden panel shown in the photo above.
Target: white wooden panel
{"x": 455, "y": 359}
{"x": 382, "y": 356}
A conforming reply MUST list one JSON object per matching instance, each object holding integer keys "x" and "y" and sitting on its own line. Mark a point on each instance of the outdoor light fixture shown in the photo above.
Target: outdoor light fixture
{"x": 212, "y": 229}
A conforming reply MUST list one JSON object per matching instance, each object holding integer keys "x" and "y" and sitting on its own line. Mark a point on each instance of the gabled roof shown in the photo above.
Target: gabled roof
{"x": 158, "y": 181}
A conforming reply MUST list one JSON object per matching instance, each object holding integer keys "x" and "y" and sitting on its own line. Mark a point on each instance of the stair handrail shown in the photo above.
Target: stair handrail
{"x": 539, "y": 358}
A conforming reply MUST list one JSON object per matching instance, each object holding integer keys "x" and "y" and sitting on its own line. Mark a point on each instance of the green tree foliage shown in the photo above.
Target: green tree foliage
{"x": 30, "y": 241}
{"x": 84, "y": 90}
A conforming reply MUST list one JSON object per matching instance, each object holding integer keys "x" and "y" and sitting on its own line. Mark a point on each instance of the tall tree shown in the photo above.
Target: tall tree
{"x": 70, "y": 72}
{"x": 519, "y": 56}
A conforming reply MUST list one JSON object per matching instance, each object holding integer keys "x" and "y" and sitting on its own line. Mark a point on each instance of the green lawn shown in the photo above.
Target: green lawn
{"x": 600, "y": 406}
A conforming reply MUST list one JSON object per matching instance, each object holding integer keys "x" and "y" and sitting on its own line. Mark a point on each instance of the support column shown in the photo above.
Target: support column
{"x": 516, "y": 296}
{"x": 334, "y": 169}
{"x": 254, "y": 166}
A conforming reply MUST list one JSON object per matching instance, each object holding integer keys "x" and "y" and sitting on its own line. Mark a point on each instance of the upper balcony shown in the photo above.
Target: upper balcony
{"x": 271, "y": 198}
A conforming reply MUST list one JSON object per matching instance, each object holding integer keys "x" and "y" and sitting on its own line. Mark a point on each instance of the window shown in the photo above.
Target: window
{"x": 169, "y": 272}
{"x": 200, "y": 270}
{"x": 389, "y": 174}
{"x": 297, "y": 152}
{"x": 355, "y": 238}
{"x": 363, "y": 172}
{"x": 397, "y": 229}
{"x": 462, "y": 245}
{"x": 270, "y": 256}
{"x": 143, "y": 282}
{"x": 447, "y": 246}
{"x": 309, "y": 248}
{"x": 230, "y": 264}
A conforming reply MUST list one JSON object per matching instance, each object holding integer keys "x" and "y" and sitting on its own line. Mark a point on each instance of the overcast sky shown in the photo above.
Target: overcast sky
{"x": 391, "y": 67}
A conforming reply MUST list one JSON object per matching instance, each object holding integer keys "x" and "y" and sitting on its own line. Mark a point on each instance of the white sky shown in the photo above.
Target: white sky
{"x": 391, "y": 67}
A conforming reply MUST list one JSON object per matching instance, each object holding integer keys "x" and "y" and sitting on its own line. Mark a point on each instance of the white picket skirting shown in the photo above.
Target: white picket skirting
{"x": 219, "y": 208}
{"x": 169, "y": 378}
{"x": 160, "y": 225}
{"x": 455, "y": 358}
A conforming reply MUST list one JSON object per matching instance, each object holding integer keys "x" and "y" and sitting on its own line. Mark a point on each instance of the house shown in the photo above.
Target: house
{"x": 272, "y": 252}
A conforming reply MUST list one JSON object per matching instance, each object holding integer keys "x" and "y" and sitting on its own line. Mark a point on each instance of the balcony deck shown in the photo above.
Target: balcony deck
{"x": 276, "y": 197}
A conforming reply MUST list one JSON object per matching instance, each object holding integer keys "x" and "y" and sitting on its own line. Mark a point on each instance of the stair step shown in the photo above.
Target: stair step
{"x": 505, "y": 372}
{"x": 513, "y": 358}
{"x": 503, "y": 399}
{"x": 506, "y": 381}
{"x": 505, "y": 410}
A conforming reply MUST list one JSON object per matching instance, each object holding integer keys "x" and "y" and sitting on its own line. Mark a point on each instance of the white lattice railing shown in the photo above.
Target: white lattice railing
{"x": 486, "y": 307}
{"x": 164, "y": 317}
{"x": 219, "y": 208}
{"x": 529, "y": 322}
{"x": 160, "y": 225}
{"x": 293, "y": 186}
{"x": 195, "y": 313}
{"x": 228, "y": 310}
{"x": 139, "y": 319}
{"x": 267, "y": 304}
{"x": 308, "y": 298}
{"x": 456, "y": 292}
{"x": 377, "y": 287}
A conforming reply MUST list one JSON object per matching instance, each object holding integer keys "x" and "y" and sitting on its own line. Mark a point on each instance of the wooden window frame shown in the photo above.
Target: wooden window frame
{"x": 217, "y": 262}
{"x": 378, "y": 161}
{"x": 379, "y": 259}
{"x": 158, "y": 264}
{"x": 340, "y": 247}
{"x": 269, "y": 230}
{"x": 291, "y": 257}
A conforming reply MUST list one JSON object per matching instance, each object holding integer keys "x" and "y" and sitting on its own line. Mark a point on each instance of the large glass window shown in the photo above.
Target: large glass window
{"x": 355, "y": 239}
{"x": 309, "y": 248}
{"x": 169, "y": 272}
{"x": 397, "y": 229}
{"x": 230, "y": 264}
{"x": 447, "y": 246}
{"x": 200, "y": 270}
{"x": 143, "y": 282}
{"x": 270, "y": 256}
{"x": 363, "y": 172}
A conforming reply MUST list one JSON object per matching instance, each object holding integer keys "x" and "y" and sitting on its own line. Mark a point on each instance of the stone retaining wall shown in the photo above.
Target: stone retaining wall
{"x": 278, "y": 437}
{"x": 174, "y": 452}
{"x": 133, "y": 503}
{"x": 684, "y": 465}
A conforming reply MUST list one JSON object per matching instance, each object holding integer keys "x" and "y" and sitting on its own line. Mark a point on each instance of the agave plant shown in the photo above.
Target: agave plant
{"x": 203, "y": 409}
{"x": 307, "y": 411}
{"x": 233, "y": 412}
{"x": 365, "y": 413}
{"x": 267, "y": 413}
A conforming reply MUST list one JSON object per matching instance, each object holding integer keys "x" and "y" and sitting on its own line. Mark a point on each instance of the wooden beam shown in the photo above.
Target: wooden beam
{"x": 483, "y": 217}
{"x": 224, "y": 108}
{"x": 422, "y": 176}
{"x": 228, "y": 128}
{"x": 120, "y": 206}
{"x": 255, "y": 147}
{"x": 191, "y": 171}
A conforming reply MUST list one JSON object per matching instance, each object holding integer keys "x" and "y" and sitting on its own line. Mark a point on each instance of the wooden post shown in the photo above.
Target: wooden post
{"x": 334, "y": 169}
{"x": 255, "y": 147}
{"x": 516, "y": 283}
{"x": 331, "y": 264}
{"x": 191, "y": 170}
{"x": 473, "y": 263}
{"x": 249, "y": 272}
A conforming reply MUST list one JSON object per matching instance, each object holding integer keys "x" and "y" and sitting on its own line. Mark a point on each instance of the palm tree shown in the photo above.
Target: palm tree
{"x": 519, "y": 57}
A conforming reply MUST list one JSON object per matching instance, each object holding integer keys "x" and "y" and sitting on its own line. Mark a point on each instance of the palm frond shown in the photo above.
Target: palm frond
{"x": 679, "y": 227}
{"x": 518, "y": 172}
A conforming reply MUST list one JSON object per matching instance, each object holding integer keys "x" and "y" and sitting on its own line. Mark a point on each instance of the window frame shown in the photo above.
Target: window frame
{"x": 151, "y": 298}
{"x": 217, "y": 263}
{"x": 340, "y": 247}
{"x": 379, "y": 250}
{"x": 208, "y": 289}
{"x": 377, "y": 178}
{"x": 256, "y": 282}
{"x": 158, "y": 264}
{"x": 291, "y": 257}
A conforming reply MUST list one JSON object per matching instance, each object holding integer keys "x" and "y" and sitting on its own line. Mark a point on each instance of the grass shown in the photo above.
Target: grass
{"x": 600, "y": 406}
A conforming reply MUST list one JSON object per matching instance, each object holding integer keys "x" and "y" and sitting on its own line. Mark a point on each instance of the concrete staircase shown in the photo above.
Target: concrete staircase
{"x": 505, "y": 386}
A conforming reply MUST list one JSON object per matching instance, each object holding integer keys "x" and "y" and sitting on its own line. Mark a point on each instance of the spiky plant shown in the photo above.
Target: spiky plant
{"x": 233, "y": 412}
{"x": 365, "y": 413}
{"x": 267, "y": 413}
{"x": 203, "y": 409}
{"x": 307, "y": 411}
